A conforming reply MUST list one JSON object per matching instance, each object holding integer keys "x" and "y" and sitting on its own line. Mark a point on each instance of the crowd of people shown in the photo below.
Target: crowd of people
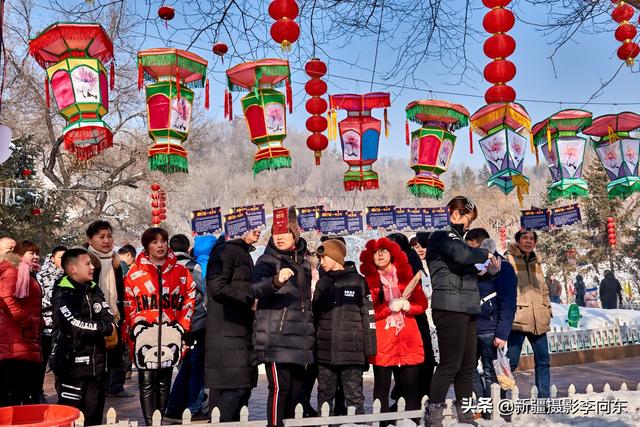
{"x": 93, "y": 314}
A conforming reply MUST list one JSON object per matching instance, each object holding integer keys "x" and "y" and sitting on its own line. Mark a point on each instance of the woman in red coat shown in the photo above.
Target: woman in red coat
{"x": 400, "y": 351}
{"x": 20, "y": 326}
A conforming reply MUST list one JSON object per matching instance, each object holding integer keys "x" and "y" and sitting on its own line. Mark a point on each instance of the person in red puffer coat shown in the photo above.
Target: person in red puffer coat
{"x": 400, "y": 351}
{"x": 20, "y": 326}
{"x": 159, "y": 302}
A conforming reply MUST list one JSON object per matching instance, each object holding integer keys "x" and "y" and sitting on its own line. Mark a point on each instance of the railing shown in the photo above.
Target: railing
{"x": 631, "y": 305}
{"x": 569, "y": 339}
{"x": 373, "y": 419}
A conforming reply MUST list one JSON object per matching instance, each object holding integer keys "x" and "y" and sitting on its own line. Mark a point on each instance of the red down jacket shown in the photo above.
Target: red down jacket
{"x": 157, "y": 317}
{"x": 406, "y": 347}
{"x": 20, "y": 318}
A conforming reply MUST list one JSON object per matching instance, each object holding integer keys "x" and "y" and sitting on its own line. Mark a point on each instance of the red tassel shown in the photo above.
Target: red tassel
{"x": 46, "y": 91}
{"x": 112, "y": 76}
{"x": 140, "y": 76}
{"x": 226, "y": 104}
{"x": 178, "y": 81}
{"x": 470, "y": 140}
{"x": 289, "y": 96}
{"x": 230, "y": 107}
{"x": 206, "y": 95}
{"x": 407, "y": 134}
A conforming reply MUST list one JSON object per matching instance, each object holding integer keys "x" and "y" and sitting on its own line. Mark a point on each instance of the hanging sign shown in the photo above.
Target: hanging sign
{"x": 333, "y": 222}
{"x": 565, "y": 215}
{"x": 206, "y": 221}
{"x": 236, "y": 224}
{"x": 354, "y": 222}
{"x": 255, "y": 215}
{"x": 309, "y": 218}
{"x": 535, "y": 219}
{"x": 280, "y": 221}
{"x": 381, "y": 217}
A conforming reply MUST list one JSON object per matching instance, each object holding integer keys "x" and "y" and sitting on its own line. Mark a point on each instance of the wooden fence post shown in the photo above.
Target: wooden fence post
{"x": 571, "y": 391}
{"x": 376, "y": 410}
{"x": 589, "y": 389}
{"x": 186, "y": 416}
{"x": 156, "y": 419}
{"x": 553, "y": 392}
{"x": 215, "y": 416}
{"x": 244, "y": 414}
{"x": 111, "y": 416}
{"x": 495, "y": 401}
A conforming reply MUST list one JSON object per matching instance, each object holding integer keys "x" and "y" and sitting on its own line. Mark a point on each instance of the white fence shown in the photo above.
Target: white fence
{"x": 569, "y": 339}
{"x": 373, "y": 419}
{"x": 630, "y": 305}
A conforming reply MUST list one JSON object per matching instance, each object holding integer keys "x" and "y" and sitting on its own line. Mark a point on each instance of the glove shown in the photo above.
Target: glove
{"x": 282, "y": 277}
{"x": 112, "y": 340}
{"x": 406, "y": 305}
{"x": 397, "y": 304}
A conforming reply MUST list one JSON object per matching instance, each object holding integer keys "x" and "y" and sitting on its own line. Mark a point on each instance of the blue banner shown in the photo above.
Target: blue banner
{"x": 565, "y": 215}
{"x": 309, "y": 218}
{"x": 333, "y": 222}
{"x": 354, "y": 222}
{"x": 535, "y": 219}
{"x": 255, "y": 215}
{"x": 206, "y": 221}
{"x": 236, "y": 224}
{"x": 381, "y": 217}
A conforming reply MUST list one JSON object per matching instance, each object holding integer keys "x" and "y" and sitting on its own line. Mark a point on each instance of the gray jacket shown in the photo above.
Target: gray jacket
{"x": 199, "y": 319}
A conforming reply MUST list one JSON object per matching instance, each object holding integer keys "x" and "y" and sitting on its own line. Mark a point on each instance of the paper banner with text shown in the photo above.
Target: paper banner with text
{"x": 255, "y": 215}
{"x": 565, "y": 215}
{"x": 206, "y": 221}
{"x": 236, "y": 224}
{"x": 535, "y": 219}
{"x": 354, "y": 222}
{"x": 383, "y": 217}
{"x": 333, "y": 222}
{"x": 309, "y": 218}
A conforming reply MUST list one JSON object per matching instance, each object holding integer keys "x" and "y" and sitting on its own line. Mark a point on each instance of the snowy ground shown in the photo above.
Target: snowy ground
{"x": 592, "y": 317}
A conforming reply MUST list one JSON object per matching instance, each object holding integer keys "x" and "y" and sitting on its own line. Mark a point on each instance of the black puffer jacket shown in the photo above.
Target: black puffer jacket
{"x": 283, "y": 330}
{"x": 81, "y": 321}
{"x": 343, "y": 314}
{"x": 229, "y": 317}
{"x": 454, "y": 277}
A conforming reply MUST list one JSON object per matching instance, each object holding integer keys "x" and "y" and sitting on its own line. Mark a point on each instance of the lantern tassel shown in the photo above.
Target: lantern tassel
{"x": 406, "y": 132}
{"x": 522, "y": 187}
{"x": 46, "y": 91}
{"x": 230, "y": 98}
{"x": 289, "y": 96}
{"x": 387, "y": 125}
{"x": 226, "y": 104}
{"x": 532, "y": 145}
{"x": 112, "y": 76}
{"x": 612, "y": 135}
{"x": 470, "y": 140}
{"x": 549, "y": 139}
{"x": 140, "y": 76}
{"x": 206, "y": 94}
{"x": 178, "y": 81}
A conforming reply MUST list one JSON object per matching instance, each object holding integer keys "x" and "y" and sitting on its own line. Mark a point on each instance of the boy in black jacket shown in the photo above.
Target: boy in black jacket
{"x": 346, "y": 334}
{"x": 83, "y": 329}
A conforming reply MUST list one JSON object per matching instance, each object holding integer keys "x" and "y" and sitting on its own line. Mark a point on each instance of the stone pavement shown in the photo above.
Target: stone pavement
{"x": 613, "y": 372}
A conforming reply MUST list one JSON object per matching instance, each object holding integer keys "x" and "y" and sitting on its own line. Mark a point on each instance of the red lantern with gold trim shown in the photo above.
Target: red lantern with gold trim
{"x": 166, "y": 13}
{"x": 316, "y": 106}
{"x": 285, "y": 30}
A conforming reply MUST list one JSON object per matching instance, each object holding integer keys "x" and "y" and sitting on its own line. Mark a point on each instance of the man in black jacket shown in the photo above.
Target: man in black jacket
{"x": 230, "y": 375}
{"x": 345, "y": 337}
{"x": 83, "y": 327}
{"x": 610, "y": 291}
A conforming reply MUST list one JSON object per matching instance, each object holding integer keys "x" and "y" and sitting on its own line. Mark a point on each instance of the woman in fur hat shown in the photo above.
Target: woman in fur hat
{"x": 399, "y": 345}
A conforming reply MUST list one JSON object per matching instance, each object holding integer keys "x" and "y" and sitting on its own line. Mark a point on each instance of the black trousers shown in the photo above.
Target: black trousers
{"x": 116, "y": 372}
{"x": 45, "y": 349}
{"x": 19, "y": 382}
{"x": 351, "y": 378}
{"x": 406, "y": 377}
{"x": 86, "y": 394}
{"x": 285, "y": 382}
{"x": 457, "y": 339}
{"x": 155, "y": 386}
{"x": 229, "y": 402}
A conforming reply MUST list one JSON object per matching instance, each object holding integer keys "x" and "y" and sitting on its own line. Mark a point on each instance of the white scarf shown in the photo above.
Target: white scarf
{"x": 107, "y": 279}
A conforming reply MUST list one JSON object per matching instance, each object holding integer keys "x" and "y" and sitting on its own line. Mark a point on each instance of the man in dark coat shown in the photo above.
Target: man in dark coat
{"x": 610, "y": 291}
{"x": 230, "y": 311}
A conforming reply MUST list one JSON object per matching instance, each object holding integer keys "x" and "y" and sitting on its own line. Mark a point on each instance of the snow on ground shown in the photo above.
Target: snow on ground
{"x": 592, "y": 317}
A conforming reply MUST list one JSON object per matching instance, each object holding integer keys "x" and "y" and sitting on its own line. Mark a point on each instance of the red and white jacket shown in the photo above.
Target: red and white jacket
{"x": 157, "y": 317}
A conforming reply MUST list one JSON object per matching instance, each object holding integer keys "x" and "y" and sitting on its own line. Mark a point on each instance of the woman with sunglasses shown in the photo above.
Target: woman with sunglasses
{"x": 455, "y": 301}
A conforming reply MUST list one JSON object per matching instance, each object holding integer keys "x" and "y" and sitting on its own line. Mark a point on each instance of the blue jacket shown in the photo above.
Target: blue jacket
{"x": 497, "y": 314}
{"x": 202, "y": 246}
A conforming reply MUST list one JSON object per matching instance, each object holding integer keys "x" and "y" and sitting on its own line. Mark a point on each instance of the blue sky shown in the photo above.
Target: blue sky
{"x": 581, "y": 67}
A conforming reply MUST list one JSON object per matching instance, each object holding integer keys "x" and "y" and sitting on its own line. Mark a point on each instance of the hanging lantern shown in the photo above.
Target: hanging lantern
{"x": 616, "y": 140}
{"x": 169, "y": 98}
{"x": 360, "y": 136}
{"x": 626, "y": 32}
{"x": 166, "y": 13}
{"x": 74, "y": 56}
{"x": 36, "y": 211}
{"x": 505, "y": 129}
{"x": 498, "y": 47}
{"x": 564, "y": 151}
{"x": 158, "y": 209}
{"x": 26, "y": 172}
{"x": 432, "y": 145}
{"x": 220, "y": 49}
{"x": 264, "y": 109}
{"x": 316, "y": 106}
{"x": 285, "y": 30}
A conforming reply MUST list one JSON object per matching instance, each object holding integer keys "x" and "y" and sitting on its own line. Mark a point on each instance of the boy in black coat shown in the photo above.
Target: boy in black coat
{"x": 345, "y": 337}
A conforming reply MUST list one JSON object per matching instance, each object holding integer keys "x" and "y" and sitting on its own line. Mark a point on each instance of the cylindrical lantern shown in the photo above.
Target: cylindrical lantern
{"x": 617, "y": 142}
{"x": 505, "y": 130}
{"x": 75, "y": 56}
{"x": 316, "y": 106}
{"x": 564, "y": 150}
{"x": 264, "y": 109}
{"x": 360, "y": 137}
{"x": 432, "y": 145}
{"x": 172, "y": 72}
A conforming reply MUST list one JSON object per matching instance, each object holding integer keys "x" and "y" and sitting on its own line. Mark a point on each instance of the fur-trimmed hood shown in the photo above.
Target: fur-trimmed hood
{"x": 11, "y": 258}
{"x": 398, "y": 259}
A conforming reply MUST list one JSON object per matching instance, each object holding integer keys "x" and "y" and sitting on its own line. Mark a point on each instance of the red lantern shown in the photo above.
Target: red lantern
{"x": 316, "y": 105}
{"x": 315, "y": 68}
{"x": 500, "y": 93}
{"x": 626, "y": 32}
{"x": 155, "y": 220}
{"x": 155, "y": 186}
{"x": 279, "y": 9}
{"x": 285, "y": 31}
{"x": 628, "y": 52}
{"x": 155, "y": 212}
{"x": 495, "y": 3}
{"x": 155, "y": 204}
{"x": 316, "y": 124}
{"x": 498, "y": 21}
{"x": 220, "y": 49}
{"x": 623, "y": 12}
{"x": 26, "y": 172}
{"x": 315, "y": 87}
{"x": 499, "y": 46}
{"x": 166, "y": 13}
{"x": 163, "y": 217}
{"x": 36, "y": 211}
{"x": 499, "y": 71}
{"x": 317, "y": 142}
{"x": 611, "y": 231}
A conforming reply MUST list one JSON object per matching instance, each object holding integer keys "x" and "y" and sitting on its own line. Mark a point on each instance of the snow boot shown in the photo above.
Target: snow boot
{"x": 433, "y": 415}
{"x": 464, "y": 418}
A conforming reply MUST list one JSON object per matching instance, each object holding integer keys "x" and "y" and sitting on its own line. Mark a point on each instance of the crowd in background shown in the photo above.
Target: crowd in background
{"x": 421, "y": 311}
